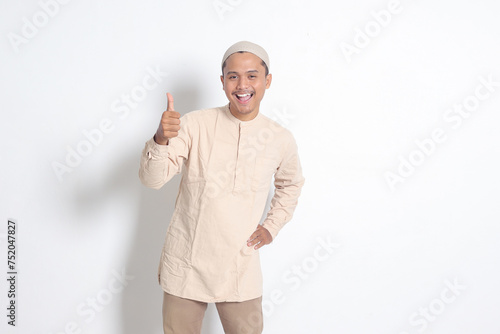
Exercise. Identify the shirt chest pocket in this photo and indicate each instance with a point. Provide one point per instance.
(263, 172)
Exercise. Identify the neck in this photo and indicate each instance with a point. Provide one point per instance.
(241, 116)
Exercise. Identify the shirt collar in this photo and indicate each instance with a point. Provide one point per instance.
(239, 122)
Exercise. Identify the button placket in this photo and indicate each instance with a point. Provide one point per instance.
(237, 165)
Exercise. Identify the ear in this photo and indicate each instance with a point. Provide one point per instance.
(269, 78)
(222, 80)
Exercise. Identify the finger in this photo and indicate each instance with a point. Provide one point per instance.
(171, 117)
(253, 236)
(170, 103)
(253, 240)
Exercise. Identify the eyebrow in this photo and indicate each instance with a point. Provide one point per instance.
(251, 71)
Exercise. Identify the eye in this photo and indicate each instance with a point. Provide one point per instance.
(232, 77)
(252, 76)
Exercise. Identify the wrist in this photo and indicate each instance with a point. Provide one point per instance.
(160, 141)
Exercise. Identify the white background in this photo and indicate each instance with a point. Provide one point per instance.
(355, 118)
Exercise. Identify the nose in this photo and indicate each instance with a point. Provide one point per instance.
(242, 82)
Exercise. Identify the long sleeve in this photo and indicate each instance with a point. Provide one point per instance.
(288, 182)
(159, 163)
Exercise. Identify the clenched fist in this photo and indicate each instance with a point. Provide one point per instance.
(169, 124)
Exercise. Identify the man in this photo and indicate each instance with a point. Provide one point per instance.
(229, 155)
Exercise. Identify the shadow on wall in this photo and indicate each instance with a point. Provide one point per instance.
(140, 300)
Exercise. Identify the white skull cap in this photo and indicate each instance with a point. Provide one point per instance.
(247, 47)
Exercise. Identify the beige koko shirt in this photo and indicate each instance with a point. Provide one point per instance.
(227, 167)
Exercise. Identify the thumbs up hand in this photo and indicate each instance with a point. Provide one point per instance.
(169, 124)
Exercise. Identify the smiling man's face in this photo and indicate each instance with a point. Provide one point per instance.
(245, 82)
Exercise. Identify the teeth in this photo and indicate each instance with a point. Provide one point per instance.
(242, 95)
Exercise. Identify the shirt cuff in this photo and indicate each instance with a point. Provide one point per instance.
(271, 228)
(156, 151)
